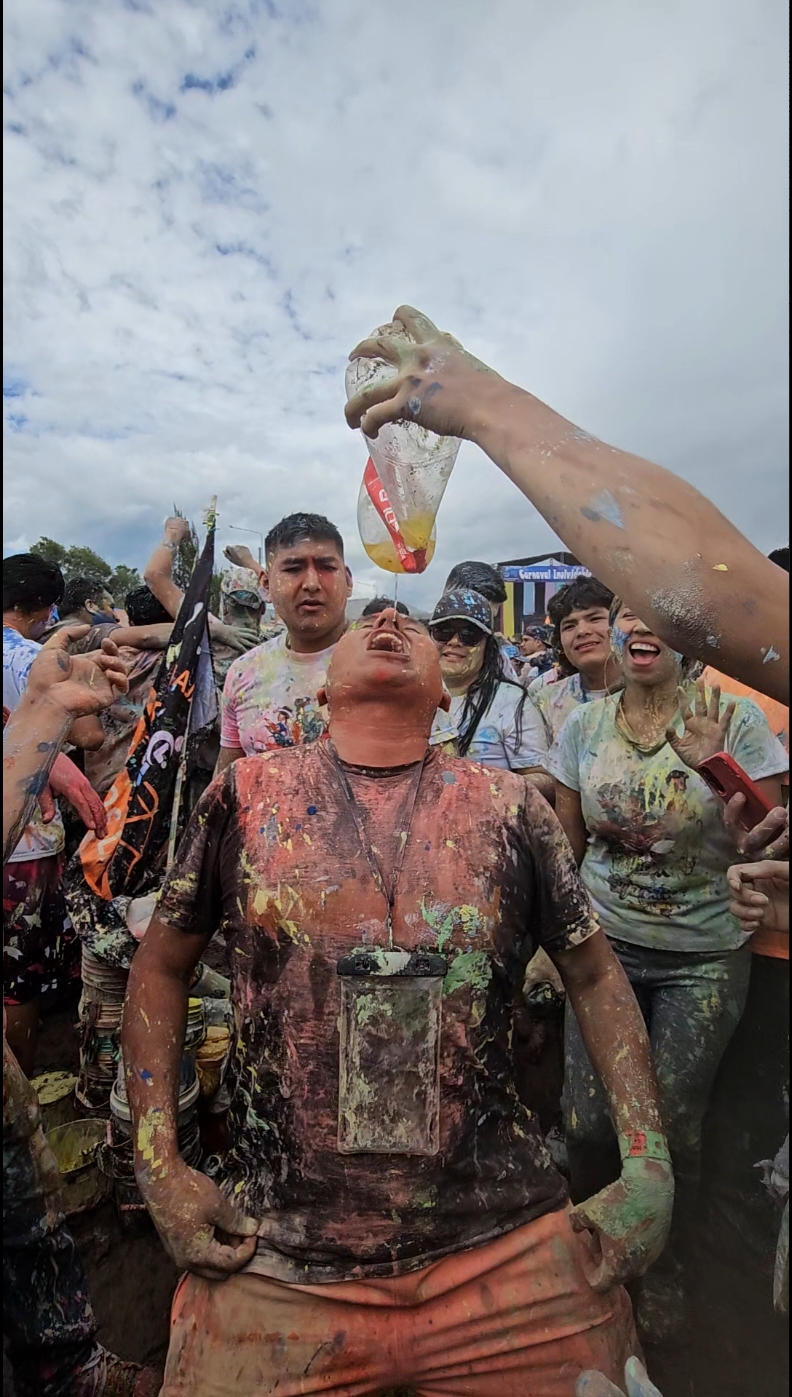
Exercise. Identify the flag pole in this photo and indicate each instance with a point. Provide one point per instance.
(210, 521)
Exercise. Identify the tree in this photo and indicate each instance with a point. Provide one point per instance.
(123, 581)
(83, 562)
(50, 551)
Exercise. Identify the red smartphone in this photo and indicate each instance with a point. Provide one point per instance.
(726, 778)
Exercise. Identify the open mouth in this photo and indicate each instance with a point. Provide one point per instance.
(387, 643)
(643, 652)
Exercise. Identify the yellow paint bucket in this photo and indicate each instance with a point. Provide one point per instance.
(55, 1092)
(75, 1146)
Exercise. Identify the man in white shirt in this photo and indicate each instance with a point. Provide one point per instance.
(270, 694)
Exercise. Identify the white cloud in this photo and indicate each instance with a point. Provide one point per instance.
(208, 204)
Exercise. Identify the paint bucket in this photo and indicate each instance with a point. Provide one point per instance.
(75, 1147)
(196, 1025)
(116, 1158)
(211, 1058)
(188, 1106)
(101, 1011)
(55, 1092)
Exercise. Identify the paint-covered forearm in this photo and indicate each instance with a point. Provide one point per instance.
(684, 568)
(155, 1018)
(630, 1219)
(32, 739)
(187, 1208)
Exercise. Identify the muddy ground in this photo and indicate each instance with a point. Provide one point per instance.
(739, 1346)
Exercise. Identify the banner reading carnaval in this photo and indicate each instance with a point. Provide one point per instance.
(140, 801)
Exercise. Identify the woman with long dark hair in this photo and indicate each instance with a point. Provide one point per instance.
(650, 839)
(489, 718)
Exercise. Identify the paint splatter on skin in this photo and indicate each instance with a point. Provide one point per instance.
(771, 654)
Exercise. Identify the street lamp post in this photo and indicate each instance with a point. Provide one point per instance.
(238, 529)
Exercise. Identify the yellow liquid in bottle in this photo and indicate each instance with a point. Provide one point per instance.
(384, 554)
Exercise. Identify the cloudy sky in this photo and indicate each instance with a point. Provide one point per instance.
(208, 204)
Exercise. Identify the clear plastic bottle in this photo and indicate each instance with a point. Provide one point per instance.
(404, 480)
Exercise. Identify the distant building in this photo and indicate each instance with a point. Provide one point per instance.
(530, 583)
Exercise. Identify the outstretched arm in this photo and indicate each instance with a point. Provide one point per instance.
(650, 536)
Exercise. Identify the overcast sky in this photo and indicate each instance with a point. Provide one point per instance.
(207, 205)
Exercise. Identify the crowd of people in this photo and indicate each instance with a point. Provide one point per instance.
(395, 826)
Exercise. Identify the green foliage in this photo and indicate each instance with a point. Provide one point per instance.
(123, 581)
(50, 551)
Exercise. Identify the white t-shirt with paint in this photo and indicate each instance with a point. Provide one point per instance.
(500, 739)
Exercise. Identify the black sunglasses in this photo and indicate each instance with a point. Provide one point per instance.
(465, 631)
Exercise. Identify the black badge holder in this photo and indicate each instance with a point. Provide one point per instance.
(389, 1064)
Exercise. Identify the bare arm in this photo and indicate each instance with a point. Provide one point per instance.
(60, 688)
(539, 778)
(631, 1217)
(187, 1208)
(87, 734)
(570, 814)
(228, 755)
(687, 571)
(158, 574)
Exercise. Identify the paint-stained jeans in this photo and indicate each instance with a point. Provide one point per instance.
(47, 1315)
(692, 1005)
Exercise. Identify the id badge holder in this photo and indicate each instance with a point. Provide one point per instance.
(389, 1063)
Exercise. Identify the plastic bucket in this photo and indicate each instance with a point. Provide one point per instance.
(211, 1058)
(75, 1148)
(55, 1092)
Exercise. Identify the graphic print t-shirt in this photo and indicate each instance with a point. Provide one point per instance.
(270, 698)
(38, 840)
(272, 858)
(657, 854)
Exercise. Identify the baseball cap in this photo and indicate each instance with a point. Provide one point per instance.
(464, 604)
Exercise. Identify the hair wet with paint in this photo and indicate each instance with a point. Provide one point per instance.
(297, 528)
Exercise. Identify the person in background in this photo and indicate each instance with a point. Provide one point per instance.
(377, 605)
(487, 581)
(86, 602)
(120, 719)
(270, 694)
(489, 716)
(631, 523)
(242, 604)
(580, 619)
(537, 657)
(40, 950)
(654, 853)
(48, 1321)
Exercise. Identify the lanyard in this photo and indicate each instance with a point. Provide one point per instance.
(388, 892)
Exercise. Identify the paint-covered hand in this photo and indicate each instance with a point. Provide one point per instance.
(235, 638)
(437, 383)
(241, 557)
(176, 530)
(201, 1230)
(636, 1383)
(80, 684)
(68, 781)
(705, 728)
(760, 895)
(629, 1221)
(770, 837)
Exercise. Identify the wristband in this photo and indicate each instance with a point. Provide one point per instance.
(644, 1144)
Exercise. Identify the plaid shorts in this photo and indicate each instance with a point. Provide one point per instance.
(40, 947)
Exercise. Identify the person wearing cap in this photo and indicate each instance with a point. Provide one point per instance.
(488, 716)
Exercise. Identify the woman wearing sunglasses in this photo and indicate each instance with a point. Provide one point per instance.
(489, 718)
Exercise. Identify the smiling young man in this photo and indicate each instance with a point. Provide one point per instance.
(387, 1211)
(269, 699)
(579, 614)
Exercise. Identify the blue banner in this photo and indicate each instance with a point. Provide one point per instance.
(544, 572)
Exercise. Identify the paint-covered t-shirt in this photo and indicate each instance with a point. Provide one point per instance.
(509, 736)
(657, 854)
(272, 858)
(555, 700)
(38, 840)
(270, 698)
